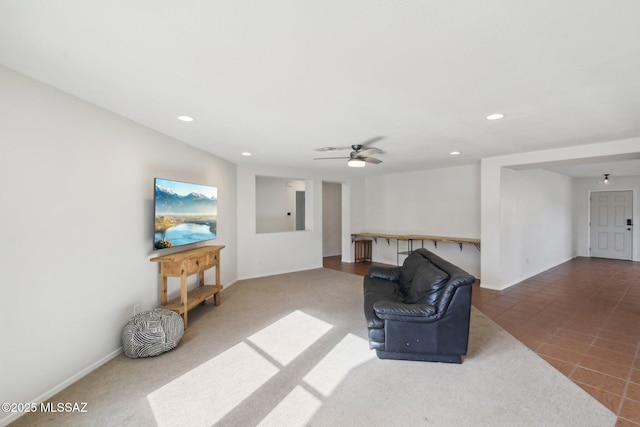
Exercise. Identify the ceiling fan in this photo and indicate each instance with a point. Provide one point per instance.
(359, 157)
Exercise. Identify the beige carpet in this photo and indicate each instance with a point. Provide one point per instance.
(291, 350)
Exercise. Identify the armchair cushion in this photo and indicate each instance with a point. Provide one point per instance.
(389, 310)
(387, 273)
(427, 284)
(408, 272)
(376, 290)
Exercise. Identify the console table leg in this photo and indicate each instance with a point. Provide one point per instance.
(163, 290)
(184, 297)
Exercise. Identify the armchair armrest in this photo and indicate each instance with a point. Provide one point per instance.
(387, 273)
(389, 310)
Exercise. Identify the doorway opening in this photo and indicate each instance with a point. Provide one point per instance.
(331, 219)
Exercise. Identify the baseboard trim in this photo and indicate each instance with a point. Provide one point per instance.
(64, 384)
(531, 274)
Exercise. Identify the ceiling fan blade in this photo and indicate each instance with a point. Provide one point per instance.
(330, 158)
(368, 151)
(372, 140)
(353, 146)
(371, 160)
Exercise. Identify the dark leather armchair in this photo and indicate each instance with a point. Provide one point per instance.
(419, 311)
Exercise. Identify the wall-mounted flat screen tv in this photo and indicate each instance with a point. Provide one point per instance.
(184, 213)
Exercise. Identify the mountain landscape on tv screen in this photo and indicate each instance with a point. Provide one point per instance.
(168, 203)
(181, 219)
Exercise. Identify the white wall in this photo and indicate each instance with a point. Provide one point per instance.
(276, 203)
(441, 202)
(77, 216)
(500, 268)
(354, 215)
(274, 253)
(582, 189)
(536, 217)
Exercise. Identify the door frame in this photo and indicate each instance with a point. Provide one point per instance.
(635, 214)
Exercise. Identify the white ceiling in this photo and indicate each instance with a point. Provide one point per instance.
(280, 78)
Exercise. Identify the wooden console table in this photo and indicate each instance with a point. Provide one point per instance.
(186, 263)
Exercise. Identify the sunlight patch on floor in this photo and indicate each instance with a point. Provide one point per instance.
(207, 393)
(294, 410)
(287, 338)
(347, 355)
(299, 406)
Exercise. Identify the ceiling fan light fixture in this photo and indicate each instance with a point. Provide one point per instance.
(360, 155)
(356, 163)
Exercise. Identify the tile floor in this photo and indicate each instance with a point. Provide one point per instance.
(583, 317)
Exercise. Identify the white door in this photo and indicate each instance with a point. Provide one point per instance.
(611, 229)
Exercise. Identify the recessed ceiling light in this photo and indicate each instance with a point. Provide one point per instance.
(495, 116)
(455, 153)
(246, 153)
(185, 118)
